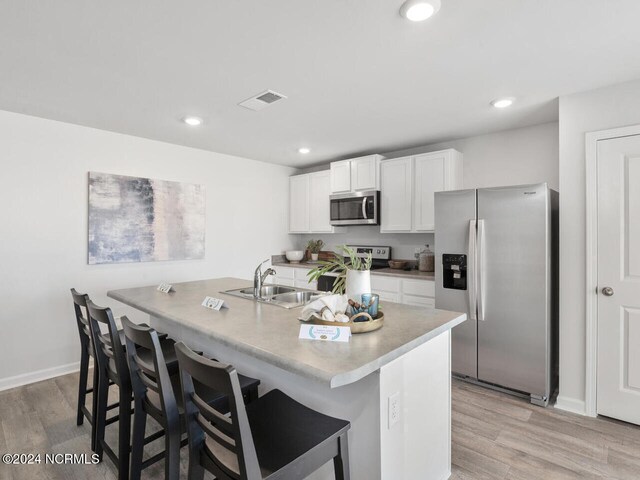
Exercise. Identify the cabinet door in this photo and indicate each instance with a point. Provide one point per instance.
(299, 204)
(429, 172)
(395, 194)
(388, 297)
(319, 191)
(364, 173)
(341, 177)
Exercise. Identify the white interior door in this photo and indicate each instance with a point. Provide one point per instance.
(618, 384)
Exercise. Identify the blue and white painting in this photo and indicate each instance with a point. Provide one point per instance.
(134, 219)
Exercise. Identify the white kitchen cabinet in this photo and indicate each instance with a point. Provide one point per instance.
(356, 174)
(409, 185)
(299, 204)
(340, 176)
(396, 195)
(319, 191)
(404, 290)
(365, 173)
(293, 277)
(309, 203)
(388, 297)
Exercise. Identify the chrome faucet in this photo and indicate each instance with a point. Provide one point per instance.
(259, 278)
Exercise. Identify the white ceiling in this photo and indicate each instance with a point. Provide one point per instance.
(358, 77)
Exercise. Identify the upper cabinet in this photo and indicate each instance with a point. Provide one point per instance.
(408, 185)
(395, 195)
(299, 204)
(341, 176)
(362, 173)
(309, 203)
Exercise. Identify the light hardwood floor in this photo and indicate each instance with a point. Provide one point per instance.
(495, 436)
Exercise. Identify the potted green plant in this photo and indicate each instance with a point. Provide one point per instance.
(354, 273)
(314, 247)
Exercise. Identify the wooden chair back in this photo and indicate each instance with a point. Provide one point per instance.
(222, 442)
(108, 349)
(82, 319)
(149, 376)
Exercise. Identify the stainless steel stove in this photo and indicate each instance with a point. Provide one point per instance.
(380, 255)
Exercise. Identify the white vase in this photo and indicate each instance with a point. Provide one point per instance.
(314, 257)
(358, 282)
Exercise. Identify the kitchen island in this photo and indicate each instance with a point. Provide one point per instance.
(406, 364)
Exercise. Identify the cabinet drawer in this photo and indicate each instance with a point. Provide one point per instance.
(300, 273)
(388, 297)
(287, 282)
(418, 301)
(422, 288)
(387, 284)
(305, 284)
(284, 272)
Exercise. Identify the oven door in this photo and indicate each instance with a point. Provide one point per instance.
(358, 208)
(326, 281)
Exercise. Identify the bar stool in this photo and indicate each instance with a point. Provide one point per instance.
(273, 437)
(86, 351)
(157, 393)
(112, 367)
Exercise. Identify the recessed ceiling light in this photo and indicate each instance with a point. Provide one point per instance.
(192, 121)
(304, 150)
(419, 10)
(503, 102)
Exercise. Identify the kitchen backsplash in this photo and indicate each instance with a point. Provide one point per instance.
(402, 245)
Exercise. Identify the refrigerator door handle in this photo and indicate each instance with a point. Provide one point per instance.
(480, 266)
(471, 270)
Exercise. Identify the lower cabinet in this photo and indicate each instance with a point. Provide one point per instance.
(293, 277)
(420, 293)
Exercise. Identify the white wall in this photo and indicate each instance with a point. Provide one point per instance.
(43, 249)
(512, 157)
(601, 109)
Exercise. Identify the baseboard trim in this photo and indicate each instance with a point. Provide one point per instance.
(571, 405)
(37, 376)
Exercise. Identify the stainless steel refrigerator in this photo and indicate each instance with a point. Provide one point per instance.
(496, 260)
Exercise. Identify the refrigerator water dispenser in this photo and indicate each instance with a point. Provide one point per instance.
(454, 271)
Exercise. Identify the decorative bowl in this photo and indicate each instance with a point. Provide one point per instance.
(360, 323)
(397, 264)
(294, 256)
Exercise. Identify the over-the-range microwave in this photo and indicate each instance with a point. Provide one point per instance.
(355, 208)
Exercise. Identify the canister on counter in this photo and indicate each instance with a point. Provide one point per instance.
(426, 261)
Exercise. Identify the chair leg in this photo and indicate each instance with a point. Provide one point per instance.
(196, 471)
(82, 384)
(341, 461)
(100, 416)
(94, 406)
(124, 433)
(137, 443)
(172, 452)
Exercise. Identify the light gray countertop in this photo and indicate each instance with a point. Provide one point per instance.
(270, 333)
(387, 272)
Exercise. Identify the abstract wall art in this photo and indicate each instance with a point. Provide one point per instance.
(133, 219)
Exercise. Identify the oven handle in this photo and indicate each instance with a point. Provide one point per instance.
(364, 208)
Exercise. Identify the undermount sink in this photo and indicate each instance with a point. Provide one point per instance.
(294, 297)
(286, 297)
(268, 290)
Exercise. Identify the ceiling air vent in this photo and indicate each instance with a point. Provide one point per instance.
(262, 100)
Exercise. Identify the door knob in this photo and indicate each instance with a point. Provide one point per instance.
(607, 291)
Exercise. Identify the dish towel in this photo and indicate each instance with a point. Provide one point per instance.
(330, 308)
